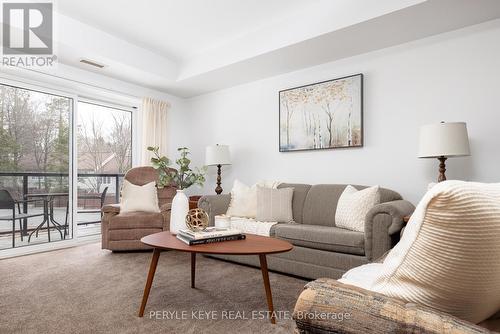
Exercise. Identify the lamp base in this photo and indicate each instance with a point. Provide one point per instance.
(218, 189)
(442, 169)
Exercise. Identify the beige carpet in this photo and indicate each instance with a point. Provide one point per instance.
(89, 290)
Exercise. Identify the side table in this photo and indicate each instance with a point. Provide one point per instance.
(193, 201)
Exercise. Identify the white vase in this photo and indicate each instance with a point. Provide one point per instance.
(180, 208)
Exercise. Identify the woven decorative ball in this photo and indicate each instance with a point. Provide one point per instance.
(197, 220)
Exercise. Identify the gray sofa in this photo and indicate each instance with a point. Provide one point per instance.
(320, 248)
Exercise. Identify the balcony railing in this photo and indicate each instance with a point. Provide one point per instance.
(23, 184)
(26, 175)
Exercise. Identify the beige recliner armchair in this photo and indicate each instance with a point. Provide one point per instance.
(123, 231)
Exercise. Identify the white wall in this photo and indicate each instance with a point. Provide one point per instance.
(451, 77)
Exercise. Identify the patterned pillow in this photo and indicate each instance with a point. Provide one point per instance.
(274, 205)
(353, 206)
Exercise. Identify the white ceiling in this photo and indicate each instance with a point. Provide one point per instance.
(190, 47)
(180, 29)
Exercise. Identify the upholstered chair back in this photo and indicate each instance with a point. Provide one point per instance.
(146, 174)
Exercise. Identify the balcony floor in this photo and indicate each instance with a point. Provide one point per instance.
(59, 215)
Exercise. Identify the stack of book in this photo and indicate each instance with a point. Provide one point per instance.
(209, 235)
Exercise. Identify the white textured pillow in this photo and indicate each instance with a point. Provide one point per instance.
(353, 206)
(274, 205)
(139, 198)
(243, 201)
(447, 259)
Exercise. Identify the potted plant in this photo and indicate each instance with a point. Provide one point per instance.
(183, 177)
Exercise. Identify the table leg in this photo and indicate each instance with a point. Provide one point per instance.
(267, 286)
(193, 268)
(35, 231)
(51, 218)
(149, 282)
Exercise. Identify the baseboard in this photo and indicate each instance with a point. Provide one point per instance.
(48, 247)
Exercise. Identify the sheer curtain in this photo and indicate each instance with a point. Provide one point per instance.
(154, 127)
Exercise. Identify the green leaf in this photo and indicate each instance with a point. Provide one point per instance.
(184, 177)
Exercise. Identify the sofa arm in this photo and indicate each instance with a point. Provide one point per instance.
(111, 208)
(383, 221)
(108, 211)
(214, 205)
(328, 306)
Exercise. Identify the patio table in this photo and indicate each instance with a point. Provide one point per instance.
(48, 218)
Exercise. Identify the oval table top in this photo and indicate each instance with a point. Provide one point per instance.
(252, 245)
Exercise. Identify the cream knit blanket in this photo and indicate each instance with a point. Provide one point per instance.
(449, 255)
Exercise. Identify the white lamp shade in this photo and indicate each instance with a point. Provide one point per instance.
(444, 140)
(217, 155)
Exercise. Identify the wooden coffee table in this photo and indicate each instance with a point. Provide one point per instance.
(252, 245)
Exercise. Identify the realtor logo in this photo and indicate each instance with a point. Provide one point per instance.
(28, 28)
(28, 34)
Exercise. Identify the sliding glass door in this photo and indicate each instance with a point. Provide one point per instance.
(104, 144)
(35, 167)
(45, 139)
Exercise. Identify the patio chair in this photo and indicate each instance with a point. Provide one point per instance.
(101, 197)
(7, 202)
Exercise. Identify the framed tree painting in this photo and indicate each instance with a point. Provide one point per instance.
(322, 115)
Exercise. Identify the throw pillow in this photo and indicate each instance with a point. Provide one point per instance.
(447, 259)
(243, 201)
(274, 205)
(268, 184)
(139, 198)
(353, 205)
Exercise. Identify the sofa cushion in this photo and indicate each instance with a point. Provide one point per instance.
(299, 196)
(328, 238)
(136, 220)
(321, 204)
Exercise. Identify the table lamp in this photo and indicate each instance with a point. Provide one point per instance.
(443, 140)
(217, 155)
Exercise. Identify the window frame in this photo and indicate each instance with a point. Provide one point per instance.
(134, 152)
